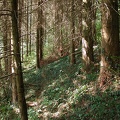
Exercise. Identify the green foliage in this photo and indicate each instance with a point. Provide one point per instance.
(29, 61)
(7, 112)
(98, 26)
(100, 107)
(32, 114)
(61, 90)
(64, 91)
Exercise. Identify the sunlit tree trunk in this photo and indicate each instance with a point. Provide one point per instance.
(110, 52)
(87, 40)
(16, 47)
(40, 34)
(13, 70)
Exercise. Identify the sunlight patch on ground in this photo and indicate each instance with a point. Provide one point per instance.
(62, 109)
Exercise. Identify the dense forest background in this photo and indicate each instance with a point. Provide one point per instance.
(59, 60)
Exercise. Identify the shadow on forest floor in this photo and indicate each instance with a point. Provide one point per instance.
(58, 91)
(61, 93)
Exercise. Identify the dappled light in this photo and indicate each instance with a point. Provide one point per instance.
(69, 96)
(59, 60)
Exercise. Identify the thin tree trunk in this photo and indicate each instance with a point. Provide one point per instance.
(21, 4)
(57, 31)
(72, 53)
(27, 32)
(80, 21)
(40, 34)
(1, 71)
(93, 20)
(5, 45)
(30, 27)
(60, 29)
(5, 37)
(13, 77)
(16, 46)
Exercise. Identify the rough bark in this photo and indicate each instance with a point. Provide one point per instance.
(110, 52)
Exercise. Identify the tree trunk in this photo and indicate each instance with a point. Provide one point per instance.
(87, 41)
(110, 52)
(27, 31)
(30, 27)
(80, 21)
(5, 37)
(13, 70)
(93, 20)
(1, 71)
(57, 29)
(16, 47)
(72, 53)
(40, 37)
(21, 5)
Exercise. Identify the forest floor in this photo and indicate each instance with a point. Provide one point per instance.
(60, 91)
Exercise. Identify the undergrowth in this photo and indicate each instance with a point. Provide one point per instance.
(61, 92)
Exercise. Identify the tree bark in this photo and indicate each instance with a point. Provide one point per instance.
(110, 52)
(40, 34)
(87, 41)
(16, 47)
(27, 31)
(5, 37)
(72, 53)
(21, 5)
(30, 44)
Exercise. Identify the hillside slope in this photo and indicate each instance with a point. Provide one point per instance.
(59, 91)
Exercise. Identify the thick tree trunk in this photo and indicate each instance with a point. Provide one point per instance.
(16, 47)
(110, 52)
